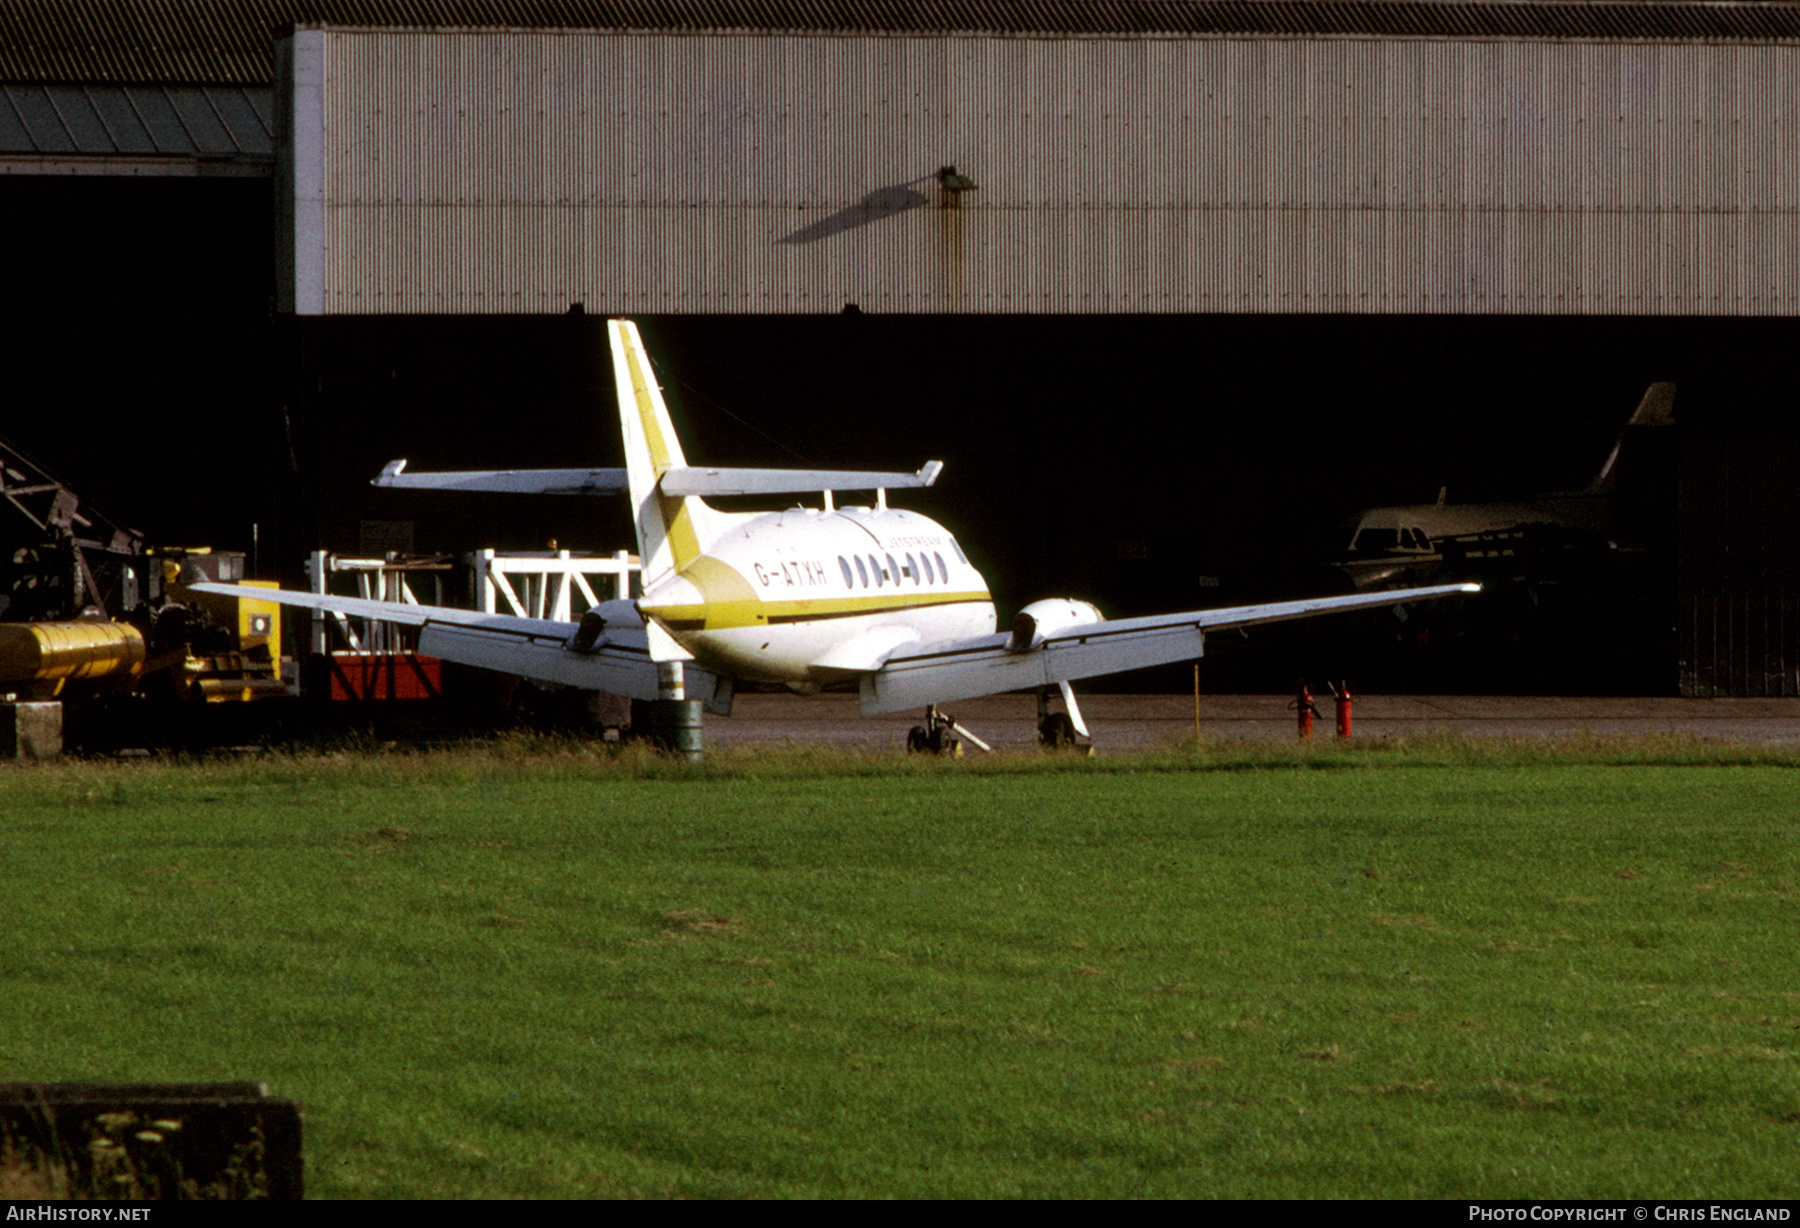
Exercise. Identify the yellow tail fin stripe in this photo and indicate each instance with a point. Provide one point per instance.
(678, 527)
(654, 441)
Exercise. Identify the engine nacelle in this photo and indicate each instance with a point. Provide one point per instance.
(1045, 618)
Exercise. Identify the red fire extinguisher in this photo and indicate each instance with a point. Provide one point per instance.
(1341, 693)
(1304, 711)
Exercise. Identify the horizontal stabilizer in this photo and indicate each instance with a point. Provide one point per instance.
(699, 481)
(507, 481)
(677, 482)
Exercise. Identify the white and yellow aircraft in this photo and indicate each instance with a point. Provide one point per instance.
(809, 597)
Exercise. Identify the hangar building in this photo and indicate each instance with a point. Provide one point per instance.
(1222, 271)
(1395, 163)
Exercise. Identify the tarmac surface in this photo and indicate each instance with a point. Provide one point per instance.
(1138, 722)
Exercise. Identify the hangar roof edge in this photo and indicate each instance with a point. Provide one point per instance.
(205, 42)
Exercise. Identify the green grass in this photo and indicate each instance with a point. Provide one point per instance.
(1449, 969)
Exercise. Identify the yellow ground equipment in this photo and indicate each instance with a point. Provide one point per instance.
(244, 664)
(41, 658)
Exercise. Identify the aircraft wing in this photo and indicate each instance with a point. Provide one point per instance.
(914, 677)
(616, 659)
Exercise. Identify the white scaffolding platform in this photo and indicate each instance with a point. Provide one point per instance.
(547, 584)
(560, 585)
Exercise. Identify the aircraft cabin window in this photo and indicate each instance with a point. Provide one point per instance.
(849, 580)
(893, 569)
(911, 571)
(862, 573)
(943, 572)
(875, 566)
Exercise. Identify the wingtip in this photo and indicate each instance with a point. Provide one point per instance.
(929, 473)
(389, 472)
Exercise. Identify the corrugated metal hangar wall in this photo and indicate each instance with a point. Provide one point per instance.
(764, 172)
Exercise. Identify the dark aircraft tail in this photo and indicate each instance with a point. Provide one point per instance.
(1656, 409)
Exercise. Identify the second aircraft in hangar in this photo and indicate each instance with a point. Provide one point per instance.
(1495, 540)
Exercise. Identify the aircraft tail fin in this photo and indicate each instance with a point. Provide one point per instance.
(672, 530)
(1656, 409)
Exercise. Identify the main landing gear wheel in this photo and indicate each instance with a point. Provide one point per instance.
(1061, 730)
(936, 741)
(1056, 731)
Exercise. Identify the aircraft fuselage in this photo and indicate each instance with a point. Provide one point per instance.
(809, 596)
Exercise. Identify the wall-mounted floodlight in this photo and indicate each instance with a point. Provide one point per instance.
(952, 185)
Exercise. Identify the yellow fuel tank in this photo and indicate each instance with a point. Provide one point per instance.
(60, 652)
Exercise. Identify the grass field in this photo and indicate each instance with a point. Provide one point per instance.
(531, 969)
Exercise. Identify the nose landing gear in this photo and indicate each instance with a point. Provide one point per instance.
(940, 735)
